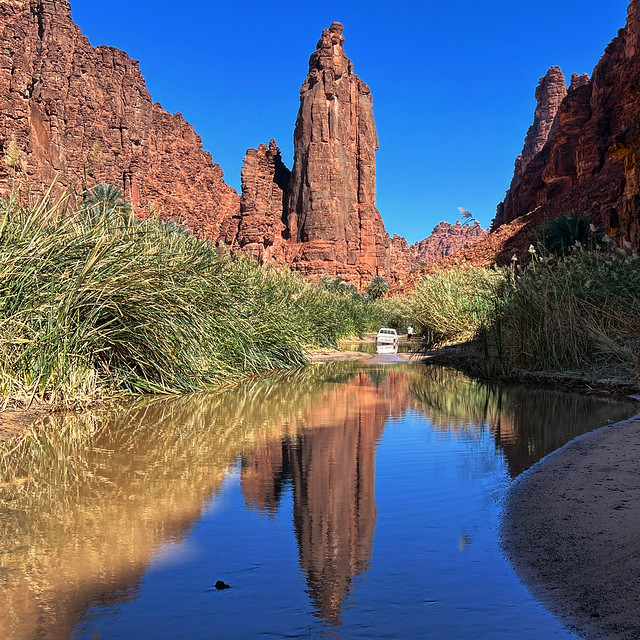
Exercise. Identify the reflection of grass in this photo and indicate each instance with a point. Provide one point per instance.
(532, 422)
(85, 498)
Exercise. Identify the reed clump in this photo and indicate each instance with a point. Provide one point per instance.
(94, 302)
(453, 305)
(580, 311)
(576, 312)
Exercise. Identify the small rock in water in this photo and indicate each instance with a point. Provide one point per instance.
(222, 585)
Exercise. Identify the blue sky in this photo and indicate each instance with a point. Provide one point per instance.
(452, 82)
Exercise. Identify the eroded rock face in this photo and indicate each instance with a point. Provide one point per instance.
(261, 228)
(550, 93)
(592, 162)
(331, 210)
(79, 112)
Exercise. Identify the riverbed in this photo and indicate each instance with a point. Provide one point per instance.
(344, 500)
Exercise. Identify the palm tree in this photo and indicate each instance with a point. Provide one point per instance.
(378, 287)
(562, 233)
(466, 216)
(105, 200)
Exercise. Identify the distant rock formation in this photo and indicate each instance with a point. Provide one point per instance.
(446, 239)
(591, 162)
(79, 112)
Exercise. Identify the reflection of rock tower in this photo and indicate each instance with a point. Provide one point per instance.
(332, 469)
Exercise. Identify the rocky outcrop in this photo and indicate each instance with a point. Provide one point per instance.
(261, 228)
(550, 93)
(79, 113)
(592, 162)
(331, 211)
(446, 239)
(403, 258)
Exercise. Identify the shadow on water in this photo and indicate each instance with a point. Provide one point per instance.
(87, 500)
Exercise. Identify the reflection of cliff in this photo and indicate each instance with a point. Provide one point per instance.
(85, 502)
(526, 423)
(332, 470)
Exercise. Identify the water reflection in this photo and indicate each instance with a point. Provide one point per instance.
(87, 501)
(331, 468)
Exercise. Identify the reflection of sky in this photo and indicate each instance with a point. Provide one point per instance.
(436, 569)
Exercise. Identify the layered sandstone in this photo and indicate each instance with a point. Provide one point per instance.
(83, 114)
(331, 211)
(592, 161)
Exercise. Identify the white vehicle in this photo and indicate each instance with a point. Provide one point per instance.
(387, 336)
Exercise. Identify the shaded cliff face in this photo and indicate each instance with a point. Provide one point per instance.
(331, 196)
(591, 162)
(75, 110)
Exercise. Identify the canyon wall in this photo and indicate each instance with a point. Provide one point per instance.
(82, 113)
(590, 159)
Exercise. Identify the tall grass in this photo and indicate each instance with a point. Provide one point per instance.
(576, 312)
(453, 305)
(582, 311)
(94, 301)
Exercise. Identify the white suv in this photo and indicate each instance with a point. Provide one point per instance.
(387, 336)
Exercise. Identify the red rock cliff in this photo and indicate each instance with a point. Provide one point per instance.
(331, 210)
(592, 161)
(73, 109)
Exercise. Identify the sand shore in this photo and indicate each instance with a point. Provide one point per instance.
(571, 529)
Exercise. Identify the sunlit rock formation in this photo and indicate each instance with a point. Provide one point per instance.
(590, 161)
(83, 114)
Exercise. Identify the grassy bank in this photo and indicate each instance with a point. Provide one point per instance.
(575, 312)
(95, 302)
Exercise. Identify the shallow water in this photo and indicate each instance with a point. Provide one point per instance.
(338, 501)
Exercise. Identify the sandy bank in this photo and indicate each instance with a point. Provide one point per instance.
(571, 529)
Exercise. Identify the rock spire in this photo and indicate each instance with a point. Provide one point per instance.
(331, 207)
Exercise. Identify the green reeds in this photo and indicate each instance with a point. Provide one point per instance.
(582, 311)
(94, 301)
(453, 305)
